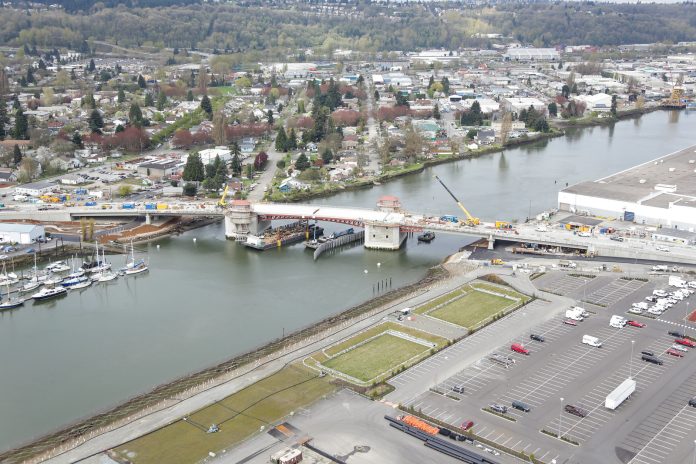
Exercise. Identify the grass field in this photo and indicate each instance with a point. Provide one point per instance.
(474, 307)
(238, 416)
(375, 357)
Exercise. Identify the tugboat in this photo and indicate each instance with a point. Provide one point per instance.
(426, 237)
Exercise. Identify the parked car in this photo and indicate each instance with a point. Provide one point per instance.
(616, 238)
(675, 353)
(685, 342)
(458, 388)
(636, 311)
(575, 410)
(537, 338)
(647, 353)
(570, 322)
(635, 324)
(584, 234)
(3, 256)
(501, 408)
(30, 250)
(676, 333)
(692, 402)
(466, 425)
(662, 248)
(680, 348)
(652, 359)
(518, 348)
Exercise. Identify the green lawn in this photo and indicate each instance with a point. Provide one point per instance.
(424, 308)
(264, 402)
(378, 329)
(375, 357)
(472, 309)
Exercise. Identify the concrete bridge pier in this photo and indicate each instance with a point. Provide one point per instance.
(240, 221)
(491, 242)
(383, 236)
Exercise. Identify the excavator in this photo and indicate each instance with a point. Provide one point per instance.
(222, 201)
(470, 220)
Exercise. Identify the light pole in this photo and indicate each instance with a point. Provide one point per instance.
(693, 461)
(630, 361)
(560, 418)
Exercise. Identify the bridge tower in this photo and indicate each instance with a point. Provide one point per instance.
(386, 234)
(241, 221)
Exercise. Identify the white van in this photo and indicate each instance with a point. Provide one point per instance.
(617, 322)
(592, 341)
(574, 314)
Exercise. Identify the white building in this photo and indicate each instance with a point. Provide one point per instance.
(600, 102)
(20, 233)
(516, 105)
(208, 155)
(35, 189)
(532, 54)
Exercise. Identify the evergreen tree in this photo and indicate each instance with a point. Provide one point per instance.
(445, 85)
(376, 95)
(327, 156)
(292, 139)
(119, 128)
(161, 101)
(17, 155)
(135, 116)
(553, 109)
(77, 140)
(4, 119)
(141, 81)
(121, 96)
(302, 162)
(15, 103)
(95, 121)
(207, 106)
(30, 75)
(194, 170)
(436, 111)
(148, 100)
(2, 132)
(236, 166)
(574, 89)
(21, 130)
(189, 95)
(281, 140)
(92, 67)
(269, 116)
(613, 105)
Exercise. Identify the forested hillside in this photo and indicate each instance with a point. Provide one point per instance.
(280, 30)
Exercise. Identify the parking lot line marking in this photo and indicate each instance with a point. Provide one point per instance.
(515, 445)
(525, 448)
(657, 434)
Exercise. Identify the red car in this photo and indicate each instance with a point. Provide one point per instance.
(676, 353)
(570, 322)
(635, 324)
(685, 342)
(517, 347)
(466, 425)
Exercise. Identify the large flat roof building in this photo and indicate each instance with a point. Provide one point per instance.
(660, 192)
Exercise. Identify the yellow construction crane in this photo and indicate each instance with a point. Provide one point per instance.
(222, 202)
(470, 220)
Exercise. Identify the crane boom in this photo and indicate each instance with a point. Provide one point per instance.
(469, 218)
(224, 195)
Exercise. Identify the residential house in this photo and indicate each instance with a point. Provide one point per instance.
(485, 136)
(7, 175)
(290, 184)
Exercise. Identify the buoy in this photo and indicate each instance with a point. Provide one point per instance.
(158, 246)
(365, 271)
(194, 239)
(379, 264)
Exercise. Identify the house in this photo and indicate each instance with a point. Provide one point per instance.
(290, 184)
(7, 175)
(599, 102)
(159, 169)
(208, 155)
(71, 179)
(485, 136)
(235, 184)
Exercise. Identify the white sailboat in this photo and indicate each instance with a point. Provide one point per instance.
(132, 266)
(57, 267)
(104, 275)
(7, 278)
(84, 284)
(11, 301)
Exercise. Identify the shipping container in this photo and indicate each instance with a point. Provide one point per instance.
(162, 206)
(150, 205)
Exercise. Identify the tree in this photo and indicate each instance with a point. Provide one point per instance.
(236, 165)
(189, 95)
(613, 105)
(565, 91)
(207, 106)
(135, 116)
(413, 144)
(327, 155)
(124, 190)
(77, 140)
(30, 75)
(574, 89)
(194, 170)
(300, 107)
(249, 171)
(148, 100)
(376, 95)
(161, 101)
(219, 128)
(302, 162)
(21, 129)
(505, 127)
(121, 96)
(260, 160)
(4, 119)
(91, 67)
(436, 111)
(281, 140)
(141, 81)
(553, 109)
(292, 139)
(203, 80)
(190, 189)
(95, 121)
(16, 155)
(269, 117)
(48, 96)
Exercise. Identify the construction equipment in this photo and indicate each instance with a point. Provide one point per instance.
(470, 220)
(676, 99)
(224, 195)
(497, 262)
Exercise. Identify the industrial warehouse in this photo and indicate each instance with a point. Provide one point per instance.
(661, 192)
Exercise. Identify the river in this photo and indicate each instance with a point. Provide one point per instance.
(206, 300)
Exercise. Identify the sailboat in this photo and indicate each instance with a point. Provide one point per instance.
(58, 266)
(106, 274)
(11, 301)
(97, 265)
(7, 279)
(132, 266)
(35, 281)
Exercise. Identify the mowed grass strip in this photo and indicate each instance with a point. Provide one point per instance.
(424, 308)
(378, 329)
(375, 357)
(238, 416)
(502, 290)
(472, 309)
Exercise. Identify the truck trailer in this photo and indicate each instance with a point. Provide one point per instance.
(620, 393)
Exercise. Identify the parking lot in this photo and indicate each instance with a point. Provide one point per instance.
(655, 425)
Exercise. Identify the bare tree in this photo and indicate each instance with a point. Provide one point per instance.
(203, 80)
(219, 132)
(505, 127)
